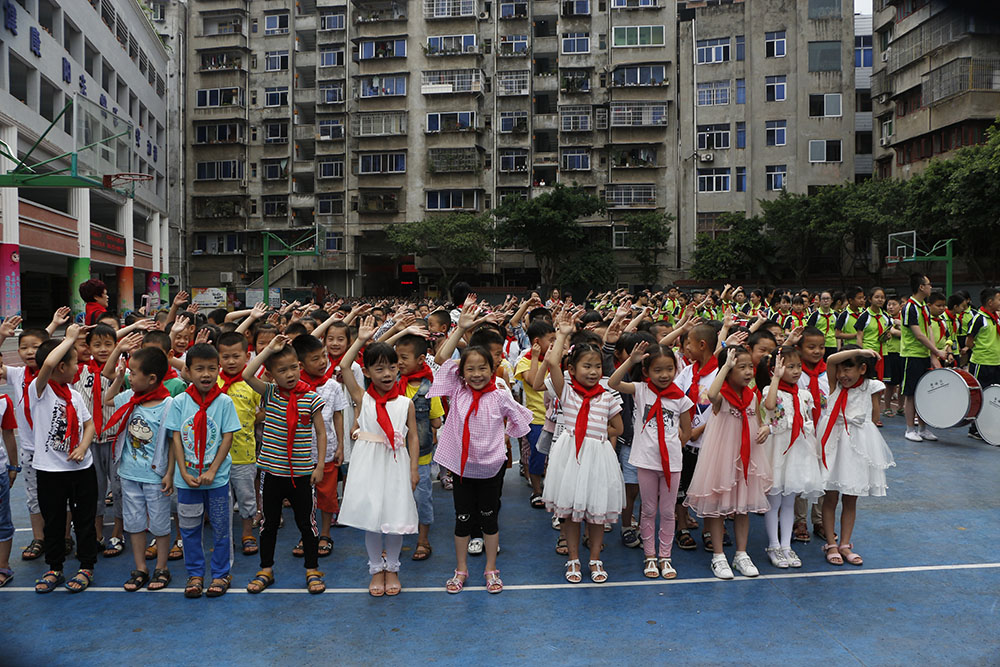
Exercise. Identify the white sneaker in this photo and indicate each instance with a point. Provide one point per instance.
(476, 546)
(913, 436)
(743, 563)
(777, 556)
(720, 568)
(792, 558)
(926, 434)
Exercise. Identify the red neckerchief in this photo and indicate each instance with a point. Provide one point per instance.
(697, 373)
(229, 380)
(97, 395)
(953, 318)
(583, 416)
(797, 420)
(317, 381)
(880, 364)
(62, 390)
(527, 355)
(851, 313)
(124, 412)
(200, 422)
(382, 414)
(656, 412)
(79, 369)
(814, 374)
(925, 314)
(477, 394)
(800, 319)
(838, 409)
(506, 345)
(29, 375)
(292, 417)
(993, 318)
(423, 372)
(827, 317)
(941, 328)
(741, 402)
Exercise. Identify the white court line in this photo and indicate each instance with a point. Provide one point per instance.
(544, 587)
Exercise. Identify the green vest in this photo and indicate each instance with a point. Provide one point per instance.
(827, 323)
(870, 336)
(914, 314)
(986, 349)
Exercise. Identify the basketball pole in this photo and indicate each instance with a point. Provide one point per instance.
(948, 258)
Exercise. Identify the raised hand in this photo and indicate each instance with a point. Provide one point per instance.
(181, 298)
(779, 365)
(470, 310)
(639, 352)
(737, 339)
(202, 336)
(259, 310)
(10, 325)
(278, 342)
(130, 343)
(366, 329)
(61, 316)
(730, 357)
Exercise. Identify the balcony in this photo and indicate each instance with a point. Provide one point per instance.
(449, 9)
(380, 11)
(448, 82)
(235, 38)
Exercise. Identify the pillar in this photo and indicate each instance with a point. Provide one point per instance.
(79, 266)
(126, 282)
(165, 261)
(153, 289)
(10, 236)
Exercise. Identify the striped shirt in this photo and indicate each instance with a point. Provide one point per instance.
(85, 385)
(273, 456)
(602, 409)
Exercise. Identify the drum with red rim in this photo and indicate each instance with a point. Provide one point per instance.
(988, 420)
(947, 397)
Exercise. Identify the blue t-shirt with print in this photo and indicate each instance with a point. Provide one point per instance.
(142, 433)
(222, 419)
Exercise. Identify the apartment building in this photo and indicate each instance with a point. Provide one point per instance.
(105, 52)
(936, 80)
(864, 57)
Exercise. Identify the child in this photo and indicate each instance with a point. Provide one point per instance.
(173, 382)
(472, 445)
(846, 326)
(874, 329)
(542, 333)
(233, 358)
(202, 421)
(824, 318)
(893, 363)
(656, 452)
(318, 372)
(377, 497)
(941, 332)
(338, 341)
(63, 462)
(984, 341)
(798, 315)
(733, 475)
(292, 414)
(8, 459)
(142, 460)
(812, 348)
(584, 479)
(919, 354)
(855, 456)
(793, 450)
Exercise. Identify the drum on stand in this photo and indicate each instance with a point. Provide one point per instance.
(988, 421)
(947, 397)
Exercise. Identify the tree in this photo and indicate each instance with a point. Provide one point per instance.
(787, 220)
(548, 225)
(648, 236)
(742, 252)
(591, 267)
(454, 242)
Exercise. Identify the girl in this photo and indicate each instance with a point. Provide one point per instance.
(792, 448)
(854, 454)
(732, 475)
(584, 481)
(893, 362)
(377, 497)
(477, 463)
(874, 329)
(656, 448)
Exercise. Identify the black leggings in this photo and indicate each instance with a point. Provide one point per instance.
(273, 491)
(79, 489)
(477, 504)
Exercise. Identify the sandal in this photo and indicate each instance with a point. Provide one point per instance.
(706, 538)
(455, 585)
(374, 589)
(250, 545)
(260, 582)
(446, 482)
(667, 569)
(8, 574)
(562, 546)
(116, 547)
(151, 550)
(314, 582)
(652, 570)
(325, 547)
(819, 531)
(685, 541)
(692, 523)
(536, 501)
(422, 552)
(219, 586)
(298, 550)
(800, 532)
(160, 580)
(833, 556)
(32, 551)
(176, 551)
(597, 572)
(879, 423)
(850, 557)
(48, 581)
(395, 588)
(573, 575)
(136, 580)
(80, 581)
(192, 589)
(493, 582)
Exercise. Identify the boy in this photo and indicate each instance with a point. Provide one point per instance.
(8, 473)
(784, 307)
(812, 350)
(542, 333)
(202, 421)
(846, 327)
(984, 341)
(318, 371)
(798, 316)
(233, 358)
(893, 363)
(63, 463)
(942, 334)
(824, 318)
(918, 352)
(292, 414)
(143, 461)
(414, 383)
(172, 381)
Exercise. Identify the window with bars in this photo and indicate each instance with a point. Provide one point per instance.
(451, 81)
(713, 180)
(713, 93)
(513, 83)
(620, 237)
(635, 4)
(774, 177)
(378, 124)
(443, 9)
(713, 137)
(451, 200)
(709, 51)
(275, 206)
(330, 167)
(224, 133)
(774, 132)
(392, 85)
(639, 75)
(451, 121)
(513, 45)
(638, 36)
(275, 61)
(513, 122)
(575, 42)
(707, 222)
(444, 45)
(382, 163)
(628, 195)
(575, 81)
(575, 118)
(774, 88)
(636, 157)
(453, 160)
(575, 159)
(378, 49)
(825, 150)
(331, 56)
(513, 160)
(635, 114)
(219, 97)
(516, 193)
(774, 44)
(225, 60)
(330, 203)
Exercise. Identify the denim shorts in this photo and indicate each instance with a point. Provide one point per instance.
(6, 524)
(423, 495)
(629, 472)
(143, 503)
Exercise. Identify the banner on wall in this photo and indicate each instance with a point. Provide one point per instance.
(255, 295)
(209, 297)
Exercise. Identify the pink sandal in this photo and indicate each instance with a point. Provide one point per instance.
(455, 585)
(493, 582)
(833, 556)
(852, 557)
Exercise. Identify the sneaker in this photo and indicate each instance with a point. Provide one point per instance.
(778, 558)
(927, 434)
(792, 558)
(556, 524)
(743, 563)
(630, 538)
(913, 436)
(720, 567)
(975, 435)
(476, 546)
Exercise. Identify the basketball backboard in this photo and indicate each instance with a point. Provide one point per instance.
(902, 245)
(102, 142)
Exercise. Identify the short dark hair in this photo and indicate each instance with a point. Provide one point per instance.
(539, 329)
(759, 335)
(798, 300)
(936, 297)
(809, 332)
(91, 289)
(160, 339)
(460, 292)
(296, 329)
(152, 361)
(218, 315)
(474, 349)
(955, 300)
(201, 351)
(45, 349)
(286, 351)
(856, 360)
(440, 317)
(854, 291)
(417, 343)
(101, 331)
(213, 332)
(984, 296)
(380, 353)
(340, 324)
(304, 345)
(916, 282)
(707, 333)
(233, 338)
(540, 313)
(262, 328)
(485, 336)
(40, 334)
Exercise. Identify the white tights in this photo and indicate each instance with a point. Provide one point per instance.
(393, 544)
(786, 506)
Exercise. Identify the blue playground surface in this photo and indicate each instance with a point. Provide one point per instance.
(927, 593)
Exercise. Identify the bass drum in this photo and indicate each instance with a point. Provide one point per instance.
(988, 421)
(947, 397)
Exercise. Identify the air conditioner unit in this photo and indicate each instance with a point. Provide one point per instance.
(884, 141)
(706, 157)
(422, 280)
(883, 98)
(483, 16)
(225, 277)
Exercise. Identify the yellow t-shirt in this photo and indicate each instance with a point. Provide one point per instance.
(533, 400)
(247, 401)
(436, 412)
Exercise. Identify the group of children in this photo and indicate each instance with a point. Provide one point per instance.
(719, 405)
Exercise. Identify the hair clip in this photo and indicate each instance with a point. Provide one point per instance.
(570, 350)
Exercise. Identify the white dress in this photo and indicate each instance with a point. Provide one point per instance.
(856, 454)
(798, 470)
(378, 496)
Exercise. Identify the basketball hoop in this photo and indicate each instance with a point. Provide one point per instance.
(120, 180)
(891, 262)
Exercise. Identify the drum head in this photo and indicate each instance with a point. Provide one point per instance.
(988, 421)
(942, 398)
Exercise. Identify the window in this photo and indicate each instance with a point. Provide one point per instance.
(330, 204)
(886, 128)
(382, 48)
(639, 157)
(741, 135)
(825, 104)
(331, 167)
(378, 124)
(576, 8)
(450, 200)
(741, 47)
(276, 24)
(638, 114)
(774, 177)
(774, 88)
(619, 237)
(824, 9)
(514, 10)
(441, 9)
(827, 150)
(638, 35)
(712, 51)
(774, 44)
(824, 56)
(575, 159)
(713, 93)
(220, 170)
(451, 81)
(276, 133)
(273, 170)
(454, 160)
(226, 133)
(862, 50)
(513, 45)
(378, 201)
(276, 97)
(454, 121)
(634, 4)
(331, 21)
(741, 91)
(334, 242)
(275, 206)
(639, 75)
(382, 86)
(158, 11)
(711, 137)
(513, 83)
(331, 128)
(219, 97)
(443, 45)
(713, 180)
(513, 122)
(741, 179)
(331, 56)
(513, 159)
(575, 118)
(575, 81)
(630, 195)
(382, 163)
(275, 61)
(576, 42)
(775, 132)
(330, 92)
